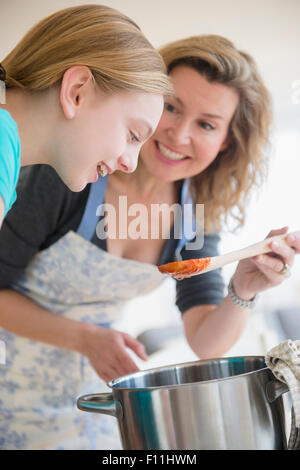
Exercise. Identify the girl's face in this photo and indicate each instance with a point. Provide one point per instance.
(193, 128)
(105, 132)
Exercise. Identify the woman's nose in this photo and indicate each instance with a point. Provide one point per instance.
(128, 162)
(180, 132)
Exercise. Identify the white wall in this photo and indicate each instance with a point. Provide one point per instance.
(270, 31)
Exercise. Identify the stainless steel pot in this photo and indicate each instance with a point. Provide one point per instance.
(225, 403)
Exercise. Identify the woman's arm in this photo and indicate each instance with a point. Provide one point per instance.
(212, 330)
(104, 347)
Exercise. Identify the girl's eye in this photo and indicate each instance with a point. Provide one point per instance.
(133, 137)
(206, 126)
(169, 107)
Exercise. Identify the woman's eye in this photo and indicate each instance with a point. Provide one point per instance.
(206, 126)
(169, 107)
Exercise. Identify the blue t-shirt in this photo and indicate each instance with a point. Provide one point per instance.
(10, 149)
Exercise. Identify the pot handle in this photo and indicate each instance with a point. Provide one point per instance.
(274, 389)
(100, 403)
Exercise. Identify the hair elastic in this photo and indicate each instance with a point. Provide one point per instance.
(2, 73)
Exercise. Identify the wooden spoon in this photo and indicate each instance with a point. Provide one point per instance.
(191, 267)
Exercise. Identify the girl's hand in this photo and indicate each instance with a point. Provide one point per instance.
(254, 275)
(106, 350)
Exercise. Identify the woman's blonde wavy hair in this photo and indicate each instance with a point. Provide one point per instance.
(97, 36)
(224, 186)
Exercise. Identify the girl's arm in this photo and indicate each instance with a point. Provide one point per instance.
(104, 347)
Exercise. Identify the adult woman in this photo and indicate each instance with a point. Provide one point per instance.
(78, 98)
(59, 290)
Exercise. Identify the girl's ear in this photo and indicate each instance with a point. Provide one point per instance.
(73, 90)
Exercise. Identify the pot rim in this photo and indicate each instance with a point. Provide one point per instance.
(113, 383)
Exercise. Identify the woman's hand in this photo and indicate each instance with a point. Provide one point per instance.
(106, 350)
(254, 275)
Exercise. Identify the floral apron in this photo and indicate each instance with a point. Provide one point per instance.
(39, 383)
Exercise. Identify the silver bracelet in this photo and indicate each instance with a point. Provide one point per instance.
(237, 300)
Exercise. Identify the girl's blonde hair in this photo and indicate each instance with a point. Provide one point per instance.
(97, 36)
(224, 186)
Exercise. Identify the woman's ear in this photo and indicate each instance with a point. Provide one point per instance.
(229, 139)
(74, 87)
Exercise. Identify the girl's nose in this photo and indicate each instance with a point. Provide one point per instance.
(128, 162)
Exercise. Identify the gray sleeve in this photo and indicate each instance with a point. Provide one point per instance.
(205, 289)
(40, 208)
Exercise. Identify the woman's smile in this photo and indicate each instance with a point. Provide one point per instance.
(168, 155)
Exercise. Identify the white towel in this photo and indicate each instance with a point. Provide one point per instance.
(284, 362)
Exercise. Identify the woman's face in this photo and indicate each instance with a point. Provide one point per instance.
(105, 131)
(193, 128)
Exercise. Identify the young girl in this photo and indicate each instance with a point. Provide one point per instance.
(83, 92)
